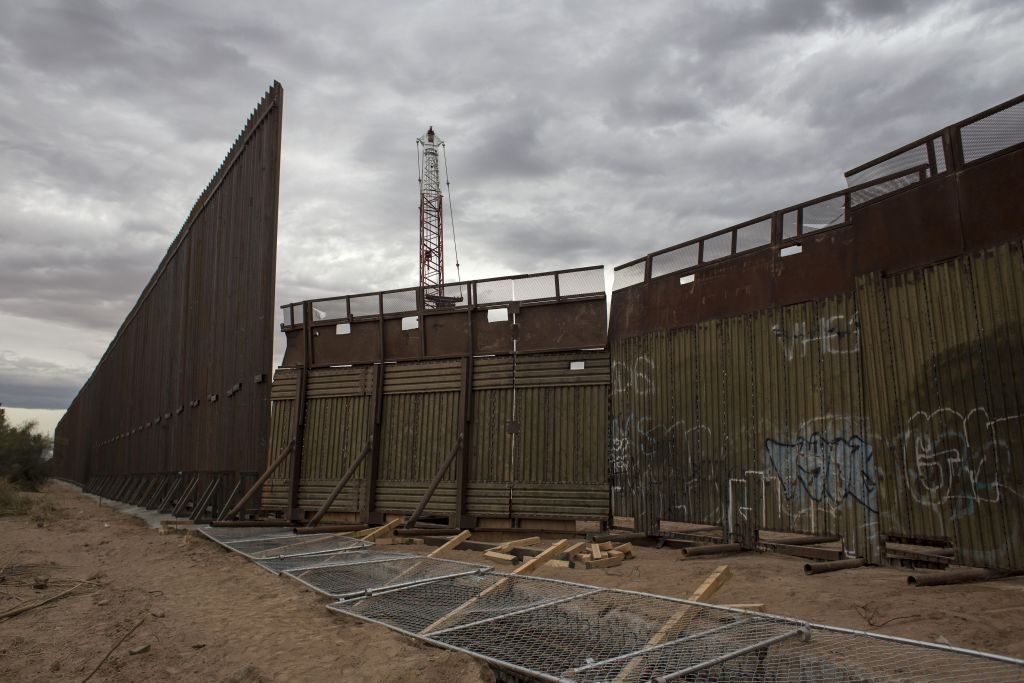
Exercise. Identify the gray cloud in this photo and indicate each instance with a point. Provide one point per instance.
(577, 133)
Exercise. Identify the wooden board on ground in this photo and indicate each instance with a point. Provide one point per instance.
(518, 543)
(452, 544)
(370, 534)
(503, 558)
(678, 622)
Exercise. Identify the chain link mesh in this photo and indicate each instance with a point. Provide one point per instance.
(399, 302)
(915, 156)
(993, 133)
(824, 214)
(358, 578)
(672, 261)
(580, 282)
(364, 305)
(284, 564)
(296, 546)
(877, 190)
(628, 276)
(754, 235)
(563, 631)
(717, 247)
(330, 309)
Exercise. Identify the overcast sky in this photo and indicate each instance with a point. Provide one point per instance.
(577, 133)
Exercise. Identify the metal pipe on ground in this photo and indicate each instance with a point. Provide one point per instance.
(825, 567)
(330, 528)
(803, 540)
(712, 549)
(961, 576)
(250, 522)
(341, 484)
(434, 531)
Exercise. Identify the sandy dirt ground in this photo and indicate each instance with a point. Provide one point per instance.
(207, 614)
(981, 616)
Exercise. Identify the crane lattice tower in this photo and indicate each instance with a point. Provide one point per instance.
(431, 219)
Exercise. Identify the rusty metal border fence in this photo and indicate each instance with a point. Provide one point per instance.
(488, 403)
(177, 409)
(813, 369)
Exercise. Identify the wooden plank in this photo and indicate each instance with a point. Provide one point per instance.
(604, 562)
(626, 549)
(504, 558)
(451, 544)
(370, 534)
(537, 562)
(595, 551)
(573, 549)
(526, 568)
(678, 621)
(519, 543)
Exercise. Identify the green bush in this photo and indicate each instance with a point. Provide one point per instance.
(23, 454)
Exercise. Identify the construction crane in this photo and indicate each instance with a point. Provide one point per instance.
(432, 222)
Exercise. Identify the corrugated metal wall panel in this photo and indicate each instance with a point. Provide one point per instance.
(557, 467)
(180, 388)
(752, 422)
(947, 345)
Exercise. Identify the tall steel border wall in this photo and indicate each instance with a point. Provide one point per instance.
(184, 385)
(517, 366)
(869, 385)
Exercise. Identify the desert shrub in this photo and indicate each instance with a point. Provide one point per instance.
(12, 501)
(23, 454)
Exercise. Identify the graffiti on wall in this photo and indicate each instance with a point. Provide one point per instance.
(830, 335)
(958, 460)
(826, 470)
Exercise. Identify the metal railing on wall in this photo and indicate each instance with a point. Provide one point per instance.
(553, 286)
(993, 132)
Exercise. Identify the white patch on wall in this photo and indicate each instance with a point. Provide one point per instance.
(342, 328)
(410, 322)
(577, 364)
(790, 251)
(497, 315)
(686, 279)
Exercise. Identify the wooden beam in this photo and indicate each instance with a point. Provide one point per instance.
(503, 558)
(452, 544)
(595, 551)
(526, 568)
(573, 549)
(679, 621)
(536, 563)
(370, 534)
(518, 543)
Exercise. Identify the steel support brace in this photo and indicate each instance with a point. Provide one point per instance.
(370, 513)
(460, 519)
(204, 499)
(175, 485)
(185, 497)
(349, 473)
(231, 497)
(295, 475)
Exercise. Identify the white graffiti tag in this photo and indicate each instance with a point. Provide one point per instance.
(955, 459)
(828, 335)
